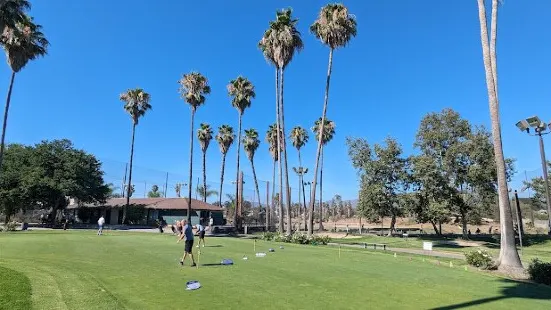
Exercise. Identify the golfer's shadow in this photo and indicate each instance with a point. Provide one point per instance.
(214, 246)
(211, 265)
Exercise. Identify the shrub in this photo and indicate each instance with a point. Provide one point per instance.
(320, 240)
(299, 238)
(540, 271)
(10, 226)
(268, 236)
(480, 259)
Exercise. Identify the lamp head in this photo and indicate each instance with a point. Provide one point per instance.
(534, 121)
(523, 126)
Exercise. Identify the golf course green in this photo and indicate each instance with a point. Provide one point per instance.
(127, 270)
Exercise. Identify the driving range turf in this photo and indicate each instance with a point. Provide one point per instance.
(125, 270)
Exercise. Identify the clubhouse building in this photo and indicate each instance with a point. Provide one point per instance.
(170, 209)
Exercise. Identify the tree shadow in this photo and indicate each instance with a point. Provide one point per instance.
(514, 289)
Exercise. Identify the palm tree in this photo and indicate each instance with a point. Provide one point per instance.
(206, 192)
(136, 103)
(508, 255)
(328, 133)
(279, 44)
(251, 144)
(22, 43)
(299, 137)
(334, 27)
(272, 139)
(12, 12)
(242, 92)
(193, 88)
(204, 135)
(178, 189)
(225, 138)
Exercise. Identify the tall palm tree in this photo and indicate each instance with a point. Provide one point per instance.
(241, 90)
(22, 43)
(178, 189)
(508, 255)
(251, 142)
(193, 88)
(136, 103)
(334, 27)
(272, 139)
(204, 135)
(279, 44)
(328, 134)
(225, 138)
(299, 137)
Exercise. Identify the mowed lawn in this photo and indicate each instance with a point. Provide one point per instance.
(125, 270)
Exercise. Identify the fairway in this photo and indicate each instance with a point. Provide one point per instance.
(125, 270)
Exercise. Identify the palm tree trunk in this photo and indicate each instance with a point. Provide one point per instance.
(320, 228)
(190, 165)
(278, 136)
(236, 216)
(493, 40)
(318, 152)
(464, 228)
(301, 188)
(508, 255)
(129, 185)
(256, 183)
(392, 225)
(205, 175)
(286, 167)
(222, 178)
(273, 187)
(5, 123)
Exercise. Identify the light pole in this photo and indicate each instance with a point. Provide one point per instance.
(540, 129)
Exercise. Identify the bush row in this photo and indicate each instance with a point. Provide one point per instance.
(297, 238)
(540, 271)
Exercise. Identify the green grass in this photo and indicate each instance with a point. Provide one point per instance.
(535, 246)
(124, 270)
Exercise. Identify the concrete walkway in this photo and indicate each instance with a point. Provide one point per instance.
(408, 251)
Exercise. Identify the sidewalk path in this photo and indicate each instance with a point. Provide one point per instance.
(409, 251)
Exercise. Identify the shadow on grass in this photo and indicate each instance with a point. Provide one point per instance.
(15, 292)
(212, 265)
(511, 289)
(214, 246)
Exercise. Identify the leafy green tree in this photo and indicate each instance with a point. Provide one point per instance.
(241, 90)
(14, 195)
(328, 133)
(251, 142)
(334, 27)
(46, 174)
(279, 44)
(154, 192)
(225, 138)
(508, 254)
(193, 88)
(384, 176)
(136, 104)
(113, 191)
(23, 41)
(204, 135)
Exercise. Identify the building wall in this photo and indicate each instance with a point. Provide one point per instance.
(114, 219)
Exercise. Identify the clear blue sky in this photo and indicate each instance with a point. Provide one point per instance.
(409, 58)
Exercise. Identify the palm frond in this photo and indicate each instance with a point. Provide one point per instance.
(242, 92)
(299, 137)
(328, 130)
(23, 43)
(225, 138)
(136, 103)
(204, 135)
(193, 88)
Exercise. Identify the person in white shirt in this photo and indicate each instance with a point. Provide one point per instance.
(201, 231)
(101, 221)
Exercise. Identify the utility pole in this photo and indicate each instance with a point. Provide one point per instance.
(546, 178)
(519, 220)
(166, 184)
(124, 180)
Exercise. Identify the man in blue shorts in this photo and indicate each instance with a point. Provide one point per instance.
(201, 231)
(188, 235)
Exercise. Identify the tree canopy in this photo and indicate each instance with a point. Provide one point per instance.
(46, 174)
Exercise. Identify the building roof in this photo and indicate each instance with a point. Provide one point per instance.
(158, 203)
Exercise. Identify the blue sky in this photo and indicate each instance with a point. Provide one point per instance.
(409, 58)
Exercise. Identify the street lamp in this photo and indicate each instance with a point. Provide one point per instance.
(540, 129)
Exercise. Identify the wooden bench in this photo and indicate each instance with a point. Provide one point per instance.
(375, 245)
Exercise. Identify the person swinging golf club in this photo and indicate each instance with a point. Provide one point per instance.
(188, 235)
